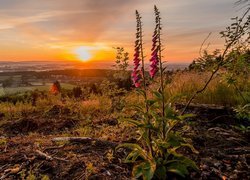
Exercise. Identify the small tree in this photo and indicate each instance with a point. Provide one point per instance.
(122, 75)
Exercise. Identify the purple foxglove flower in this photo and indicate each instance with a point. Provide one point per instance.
(154, 61)
(136, 77)
(137, 84)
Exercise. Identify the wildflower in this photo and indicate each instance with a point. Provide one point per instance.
(154, 61)
(156, 46)
(136, 74)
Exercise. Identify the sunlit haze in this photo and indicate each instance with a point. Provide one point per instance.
(87, 30)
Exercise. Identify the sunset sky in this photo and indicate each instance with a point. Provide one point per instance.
(47, 30)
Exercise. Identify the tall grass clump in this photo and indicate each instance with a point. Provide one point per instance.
(20, 109)
(218, 91)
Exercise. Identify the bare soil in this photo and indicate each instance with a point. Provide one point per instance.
(27, 148)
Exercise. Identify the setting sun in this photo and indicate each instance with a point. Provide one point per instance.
(82, 53)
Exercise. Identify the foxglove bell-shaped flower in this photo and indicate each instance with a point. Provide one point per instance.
(154, 61)
(156, 46)
(136, 74)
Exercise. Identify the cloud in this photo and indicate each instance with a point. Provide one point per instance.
(53, 23)
(81, 19)
(11, 22)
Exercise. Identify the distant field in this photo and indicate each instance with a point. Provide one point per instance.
(11, 90)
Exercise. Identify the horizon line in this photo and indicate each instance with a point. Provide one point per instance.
(75, 61)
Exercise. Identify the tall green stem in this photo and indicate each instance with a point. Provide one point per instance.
(162, 82)
(145, 88)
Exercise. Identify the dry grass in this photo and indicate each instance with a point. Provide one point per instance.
(184, 84)
(14, 111)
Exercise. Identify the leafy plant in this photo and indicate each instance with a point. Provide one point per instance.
(237, 37)
(122, 58)
(122, 75)
(157, 152)
(243, 113)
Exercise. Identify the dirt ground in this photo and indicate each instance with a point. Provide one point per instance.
(29, 149)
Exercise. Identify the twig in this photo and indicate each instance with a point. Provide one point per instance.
(202, 44)
(239, 92)
(218, 117)
(83, 140)
(12, 171)
(2, 167)
(54, 147)
(202, 89)
(50, 157)
(44, 155)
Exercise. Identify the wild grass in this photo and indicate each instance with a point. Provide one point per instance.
(218, 92)
(20, 109)
(180, 89)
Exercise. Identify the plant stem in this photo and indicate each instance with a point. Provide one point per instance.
(144, 85)
(241, 95)
(162, 83)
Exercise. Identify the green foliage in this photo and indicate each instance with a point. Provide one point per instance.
(164, 157)
(206, 62)
(244, 129)
(243, 112)
(122, 58)
(122, 76)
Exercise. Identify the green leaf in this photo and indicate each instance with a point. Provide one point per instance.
(137, 108)
(189, 163)
(135, 122)
(183, 117)
(181, 167)
(179, 171)
(169, 112)
(161, 172)
(174, 139)
(145, 169)
(165, 145)
(158, 95)
(191, 147)
(136, 147)
(151, 102)
(132, 156)
(142, 92)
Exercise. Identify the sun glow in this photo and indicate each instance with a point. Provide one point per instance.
(83, 53)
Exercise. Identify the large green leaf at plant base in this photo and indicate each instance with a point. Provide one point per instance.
(146, 169)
